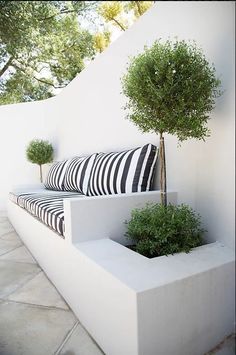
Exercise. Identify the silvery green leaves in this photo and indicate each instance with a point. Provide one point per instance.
(171, 88)
(39, 152)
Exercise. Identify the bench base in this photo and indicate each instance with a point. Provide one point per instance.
(175, 305)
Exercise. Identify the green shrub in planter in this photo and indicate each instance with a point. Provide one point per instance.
(161, 230)
(39, 152)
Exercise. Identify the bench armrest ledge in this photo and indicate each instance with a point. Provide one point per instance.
(100, 217)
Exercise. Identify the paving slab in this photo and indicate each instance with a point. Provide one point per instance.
(6, 221)
(8, 245)
(3, 214)
(80, 343)
(5, 227)
(20, 255)
(10, 236)
(39, 291)
(30, 330)
(3, 218)
(14, 275)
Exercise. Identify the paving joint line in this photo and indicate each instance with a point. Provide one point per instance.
(19, 262)
(20, 286)
(34, 305)
(11, 250)
(92, 339)
(20, 240)
(67, 337)
(4, 234)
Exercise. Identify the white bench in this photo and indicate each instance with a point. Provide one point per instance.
(132, 305)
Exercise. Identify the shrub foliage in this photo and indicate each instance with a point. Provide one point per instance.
(161, 230)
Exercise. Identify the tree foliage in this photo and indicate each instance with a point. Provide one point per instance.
(112, 11)
(171, 88)
(102, 40)
(161, 230)
(42, 47)
(45, 44)
(139, 7)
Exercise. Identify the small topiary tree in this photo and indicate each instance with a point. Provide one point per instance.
(39, 152)
(171, 88)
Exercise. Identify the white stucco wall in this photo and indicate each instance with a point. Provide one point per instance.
(88, 116)
(19, 124)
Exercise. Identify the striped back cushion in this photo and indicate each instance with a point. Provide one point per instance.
(78, 174)
(56, 175)
(124, 172)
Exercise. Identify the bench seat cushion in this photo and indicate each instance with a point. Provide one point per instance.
(46, 207)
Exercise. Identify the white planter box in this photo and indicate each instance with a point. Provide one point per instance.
(132, 305)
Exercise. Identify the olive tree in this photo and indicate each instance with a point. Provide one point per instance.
(171, 88)
(39, 152)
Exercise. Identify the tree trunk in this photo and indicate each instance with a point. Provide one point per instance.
(41, 173)
(162, 171)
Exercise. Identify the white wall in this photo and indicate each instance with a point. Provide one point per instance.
(88, 116)
(19, 124)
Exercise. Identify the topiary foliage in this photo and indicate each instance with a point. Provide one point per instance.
(171, 88)
(161, 230)
(39, 152)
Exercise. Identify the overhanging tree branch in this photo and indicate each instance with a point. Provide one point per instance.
(90, 6)
(38, 79)
(6, 66)
(118, 24)
(139, 8)
(57, 14)
(49, 83)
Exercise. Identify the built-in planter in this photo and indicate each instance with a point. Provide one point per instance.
(132, 305)
(180, 304)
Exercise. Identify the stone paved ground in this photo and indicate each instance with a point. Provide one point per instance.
(34, 318)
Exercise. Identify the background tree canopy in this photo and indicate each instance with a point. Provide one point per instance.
(45, 44)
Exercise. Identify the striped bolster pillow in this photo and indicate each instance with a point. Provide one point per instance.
(123, 172)
(56, 176)
(78, 173)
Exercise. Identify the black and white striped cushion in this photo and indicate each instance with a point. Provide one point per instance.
(78, 174)
(123, 172)
(48, 210)
(46, 207)
(56, 175)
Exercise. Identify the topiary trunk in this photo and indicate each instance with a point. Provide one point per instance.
(162, 170)
(41, 173)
